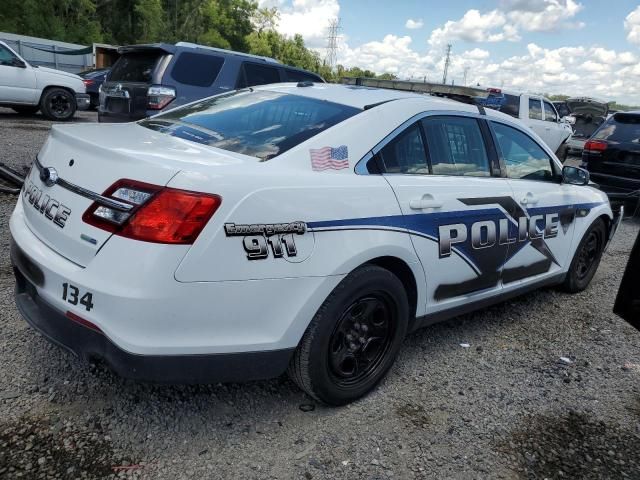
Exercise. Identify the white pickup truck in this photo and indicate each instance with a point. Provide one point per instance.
(29, 88)
(536, 112)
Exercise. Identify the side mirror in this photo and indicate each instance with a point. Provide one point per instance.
(575, 175)
(569, 119)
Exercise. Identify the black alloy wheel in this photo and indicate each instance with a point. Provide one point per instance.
(361, 339)
(58, 104)
(586, 258)
(354, 337)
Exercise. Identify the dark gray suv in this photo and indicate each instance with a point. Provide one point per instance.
(147, 79)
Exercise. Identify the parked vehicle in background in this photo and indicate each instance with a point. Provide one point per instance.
(562, 108)
(92, 80)
(587, 114)
(536, 112)
(27, 88)
(147, 79)
(612, 156)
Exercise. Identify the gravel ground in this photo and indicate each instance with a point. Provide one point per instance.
(506, 407)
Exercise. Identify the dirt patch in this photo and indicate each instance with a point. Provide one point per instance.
(414, 414)
(574, 446)
(48, 447)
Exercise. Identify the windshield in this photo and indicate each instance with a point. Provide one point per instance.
(622, 127)
(258, 123)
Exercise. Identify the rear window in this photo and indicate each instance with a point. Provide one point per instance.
(254, 74)
(505, 103)
(135, 67)
(197, 69)
(260, 123)
(622, 127)
(296, 76)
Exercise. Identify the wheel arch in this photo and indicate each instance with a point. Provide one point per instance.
(63, 87)
(405, 274)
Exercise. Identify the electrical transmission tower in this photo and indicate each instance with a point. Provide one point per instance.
(332, 43)
(464, 77)
(446, 64)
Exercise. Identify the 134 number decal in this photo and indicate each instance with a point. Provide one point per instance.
(71, 294)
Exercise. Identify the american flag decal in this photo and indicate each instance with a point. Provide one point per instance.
(329, 158)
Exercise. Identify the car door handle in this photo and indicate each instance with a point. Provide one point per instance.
(529, 199)
(426, 201)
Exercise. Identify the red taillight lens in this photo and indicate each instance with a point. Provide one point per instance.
(172, 216)
(595, 146)
(88, 82)
(159, 96)
(160, 215)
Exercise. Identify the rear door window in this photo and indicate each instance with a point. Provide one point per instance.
(622, 127)
(259, 123)
(550, 114)
(255, 74)
(456, 146)
(406, 153)
(135, 67)
(197, 69)
(523, 157)
(535, 109)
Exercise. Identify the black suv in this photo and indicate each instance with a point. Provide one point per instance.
(149, 78)
(612, 156)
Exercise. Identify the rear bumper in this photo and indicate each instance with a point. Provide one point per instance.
(90, 344)
(83, 101)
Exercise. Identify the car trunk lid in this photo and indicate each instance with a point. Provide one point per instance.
(124, 93)
(589, 114)
(88, 159)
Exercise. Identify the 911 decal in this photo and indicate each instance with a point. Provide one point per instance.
(261, 238)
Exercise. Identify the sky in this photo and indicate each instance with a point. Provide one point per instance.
(572, 47)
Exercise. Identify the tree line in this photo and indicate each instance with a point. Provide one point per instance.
(233, 24)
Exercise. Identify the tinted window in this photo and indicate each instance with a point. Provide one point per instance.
(505, 103)
(405, 153)
(535, 109)
(197, 69)
(6, 57)
(550, 113)
(562, 108)
(622, 127)
(296, 76)
(135, 67)
(255, 74)
(456, 147)
(259, 123)
(523, 157)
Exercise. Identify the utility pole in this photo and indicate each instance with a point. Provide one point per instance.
(446, 64)
(332, 43)
(464, 77)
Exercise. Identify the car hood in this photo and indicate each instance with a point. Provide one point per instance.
(59, 72)
(587, 106)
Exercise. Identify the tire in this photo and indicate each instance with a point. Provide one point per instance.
(368, 310)
(26, 110)
(586, 258)
(58, 104)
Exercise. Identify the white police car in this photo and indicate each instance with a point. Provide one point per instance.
(301, 227)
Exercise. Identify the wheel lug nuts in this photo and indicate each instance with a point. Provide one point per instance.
(353, 346)
(362, 340)
(364, 328)
(349, 337)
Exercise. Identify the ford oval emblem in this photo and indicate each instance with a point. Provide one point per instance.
(49, 176)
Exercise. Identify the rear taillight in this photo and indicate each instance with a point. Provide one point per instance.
(595, 146)
(88, 82)
(159, 97)
(158, 214)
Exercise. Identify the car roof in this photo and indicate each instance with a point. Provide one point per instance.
(351, 95)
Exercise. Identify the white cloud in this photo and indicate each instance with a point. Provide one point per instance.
(309, 18)
(542, 15)
(414, 24)
(632, 26)
(475, 27)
